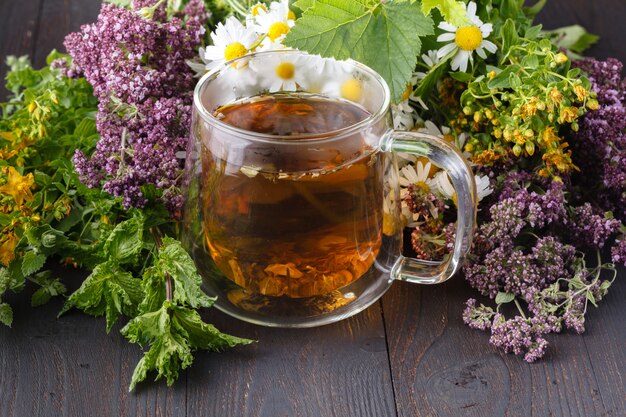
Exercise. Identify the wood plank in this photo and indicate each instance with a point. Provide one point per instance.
(601, 17)
(58, 18)
(337, 370)
(18, 23)
(442, 367)
(71, 367)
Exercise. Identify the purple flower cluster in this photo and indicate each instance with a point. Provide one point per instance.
(591, 227)
(525, 250)
(137, 68)
(519, 336)
(599, 146)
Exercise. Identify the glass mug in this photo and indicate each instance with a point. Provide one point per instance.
(292, 208)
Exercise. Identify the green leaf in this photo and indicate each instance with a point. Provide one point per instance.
(452, 11)
(203, 335)
(509, 35)
(504, 297)
(591, 298)
(153, 284)
(384, 36)
(535, 8)
(107, 291)
(32, 262)
(48, 240)
(172, 332)
(6, 314)
(464, 77)
(574, 38)
(174, 260)
(126, 241)
(304, 4)
(49, 288)
(532, 32)
(502, 79)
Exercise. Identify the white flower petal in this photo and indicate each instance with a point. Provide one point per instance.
(471, 9)
(481, 52)
(445, 37)
(486, 29)
(490, 46)
(446, 49)
(447, 27)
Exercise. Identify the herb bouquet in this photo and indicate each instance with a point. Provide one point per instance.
(93, 148)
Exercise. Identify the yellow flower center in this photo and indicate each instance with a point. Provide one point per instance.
(351, 90)
(285, 70)
(234, 50)
(291, 15)
(277, 30)
(468, 38)
(422, 186)
(258, 8)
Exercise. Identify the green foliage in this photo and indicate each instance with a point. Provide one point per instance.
(384, 36)
(173, 333)
(109, 291)
(575, 39)
(49, 287)
(46, 120)
(452, 11)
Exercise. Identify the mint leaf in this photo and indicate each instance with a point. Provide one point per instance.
(172, 332)
(6, 314)
(203, 335)
(49, 288)
(452, 11)
(384, 36)
(153, 284)
(107, 291)
(174, 260)
(32, 262)
(126, 241)
(504, 297)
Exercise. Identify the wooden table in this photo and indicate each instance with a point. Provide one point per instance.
(408, 355)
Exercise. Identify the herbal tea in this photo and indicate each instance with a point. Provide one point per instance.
(298, 232)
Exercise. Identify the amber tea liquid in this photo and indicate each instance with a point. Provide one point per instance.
(306, 229)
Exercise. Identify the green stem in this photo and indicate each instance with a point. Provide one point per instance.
(519, 308)
(156, 233)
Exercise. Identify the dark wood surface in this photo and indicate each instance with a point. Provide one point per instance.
(408, 355)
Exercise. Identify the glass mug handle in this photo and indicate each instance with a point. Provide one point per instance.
(450, 159)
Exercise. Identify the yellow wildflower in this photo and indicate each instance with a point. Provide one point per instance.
(568, 114)
(7, 248)
(18, 186)
(555, 95)
(580, 91)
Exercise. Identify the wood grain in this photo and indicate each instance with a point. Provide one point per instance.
(440, 367)
(18, 25)
(410, 357)
(601, 17)
(336, 370)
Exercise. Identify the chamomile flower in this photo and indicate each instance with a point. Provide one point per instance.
(402, 114)
(282, 72)
(483, 186)
(430, 59)
(276, 23)
(230, 40)
(466, 40)
(441, 182)
(415, 175)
